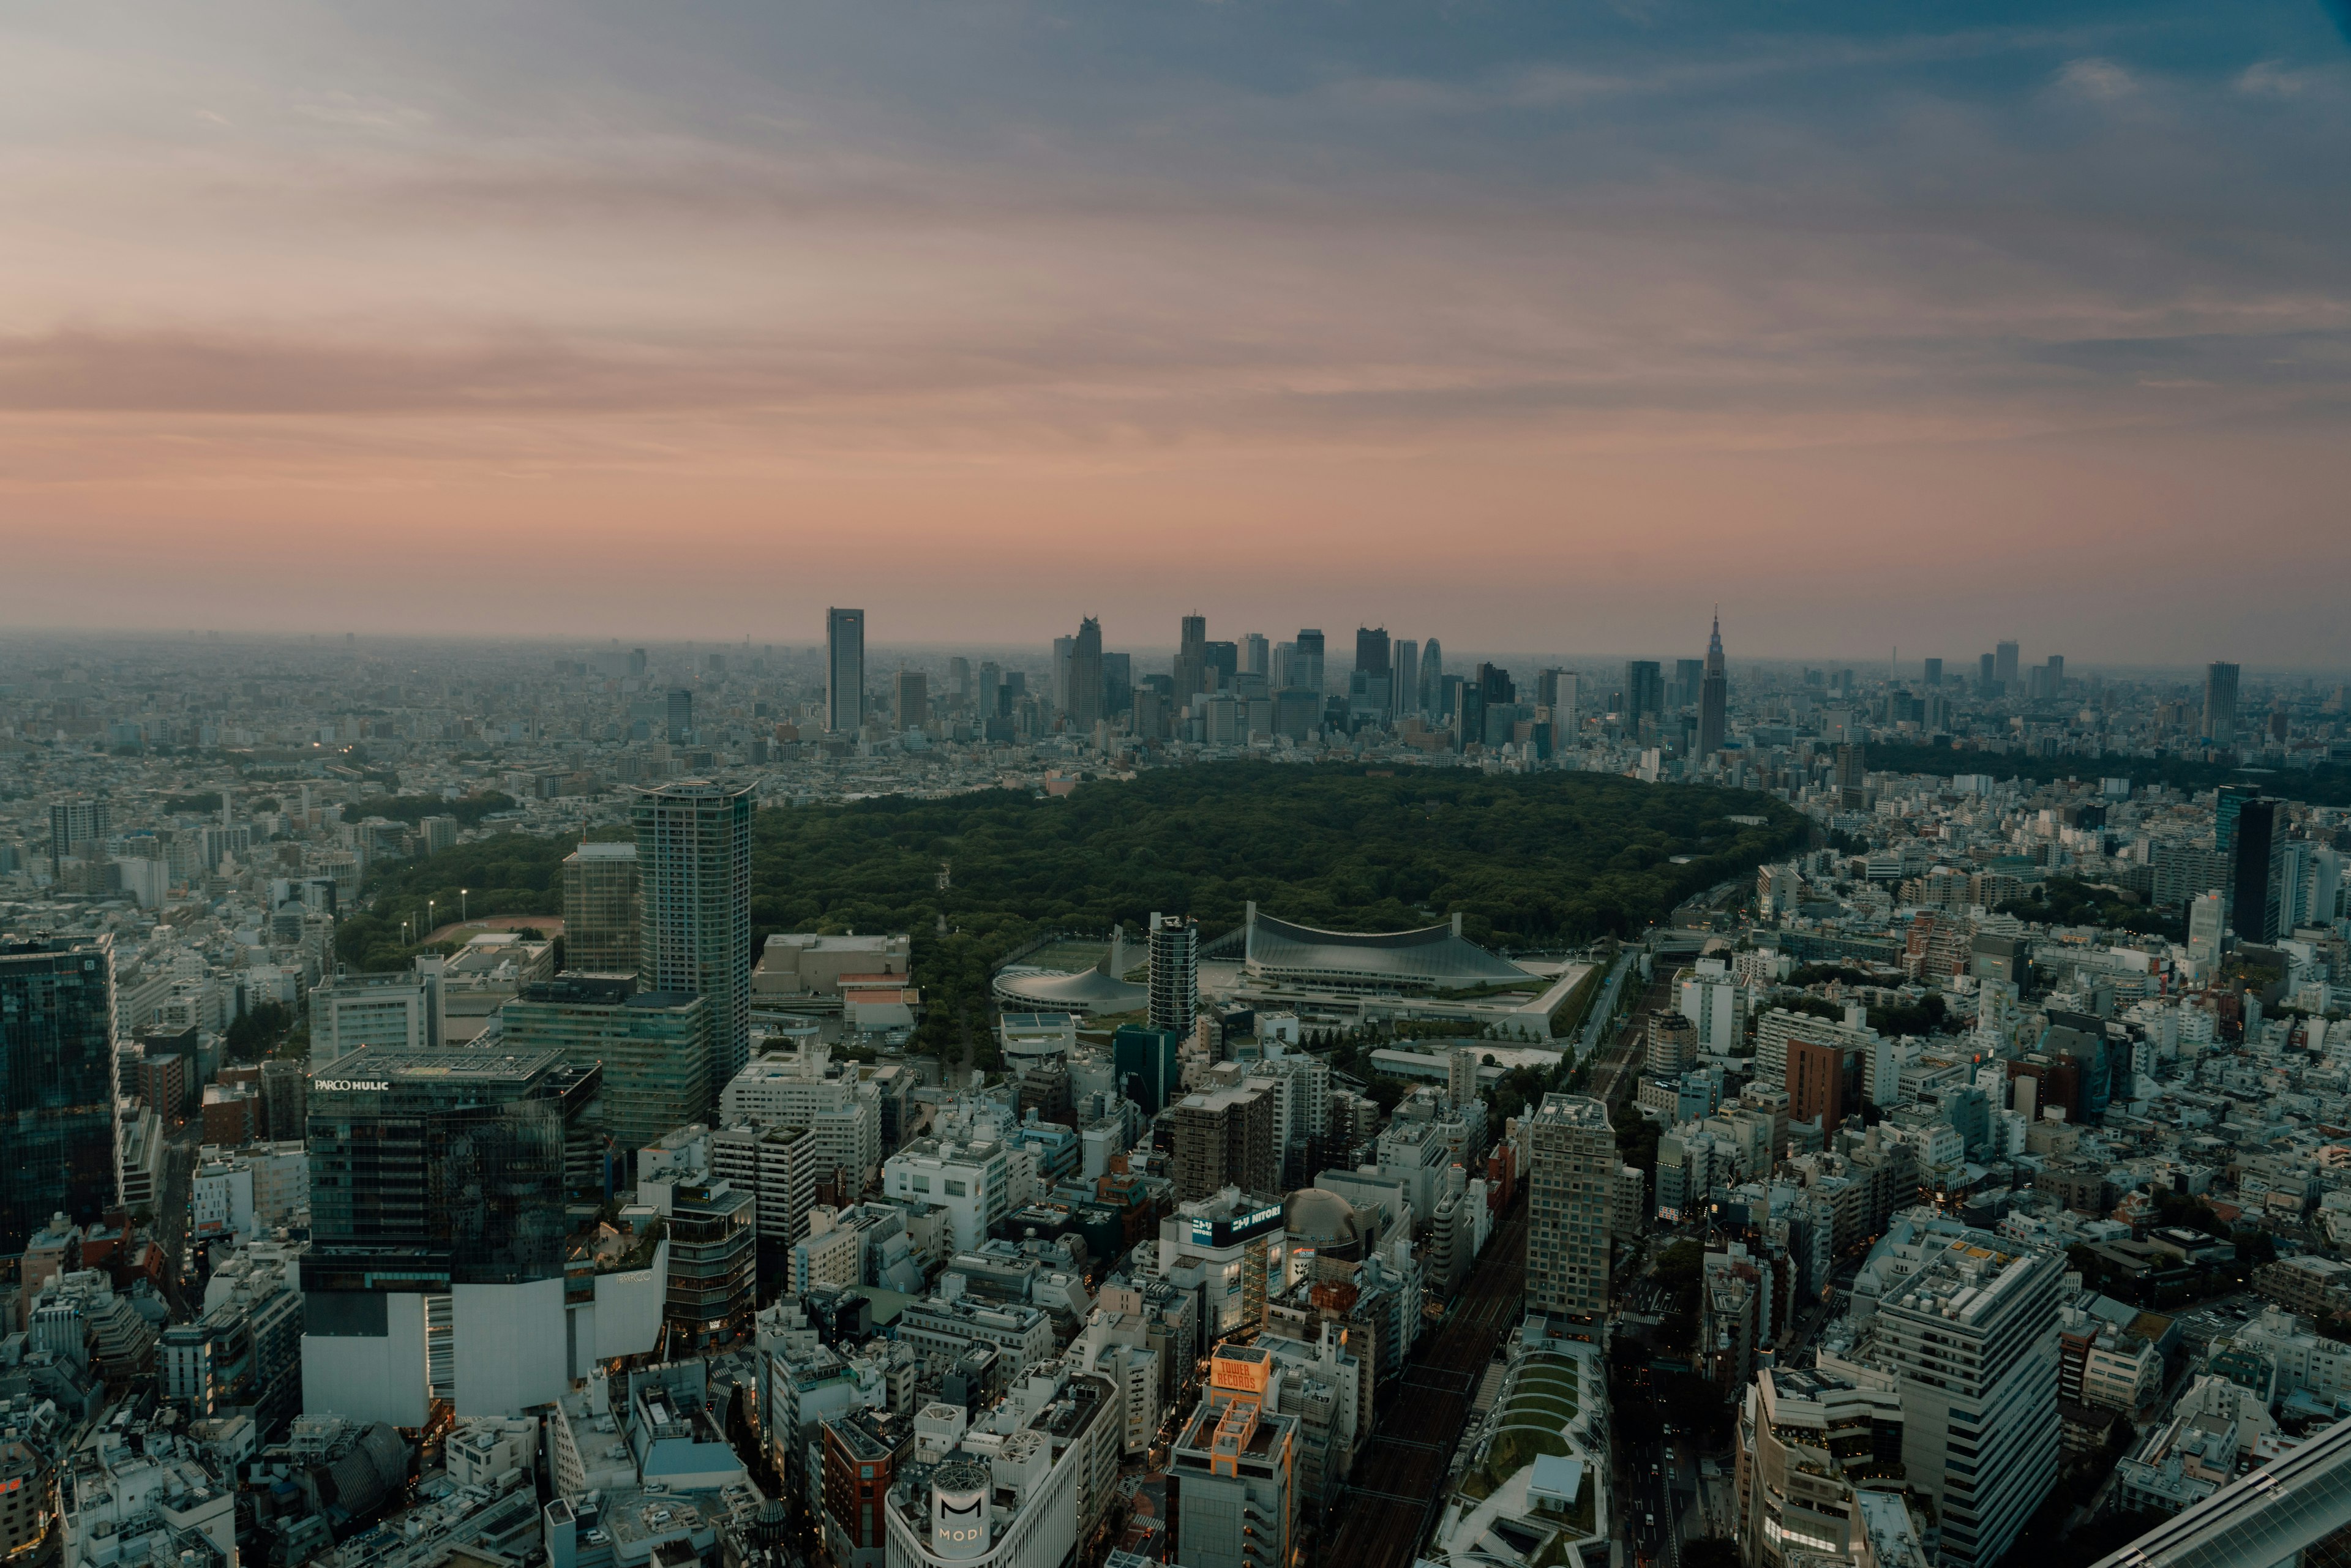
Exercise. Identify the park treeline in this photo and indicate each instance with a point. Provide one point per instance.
(1531, 860)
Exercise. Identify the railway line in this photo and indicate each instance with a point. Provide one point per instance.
(1397, 1486)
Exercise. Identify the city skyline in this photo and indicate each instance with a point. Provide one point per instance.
(1888, 323)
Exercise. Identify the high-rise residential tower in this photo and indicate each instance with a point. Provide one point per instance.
(2221, 704)
(59, 1082)
(1713, 696)
(1085, 706)
(600, 918)
(844, 671)
(693, 857)
(73, 823)
(1175, 973)
(1571, 1173)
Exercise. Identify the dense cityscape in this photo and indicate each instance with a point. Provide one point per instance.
(431, 1137)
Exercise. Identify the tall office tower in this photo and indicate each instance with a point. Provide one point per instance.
(1432, 678)
(653, 1048)
(1065, 650)
(1713, 696)
(636, 664)
(1969, 1337)
(1571, 1170)
(1984, 675)
(1118, 683)
(1144, 1065)
(73, 823)
(1175, 973)
(1192, 659)
(1405, 688)
(1220, 664)
(2003, 665)
(2229, 799)
(2221, 704)
(911, 699)
(1688, 673)
(600, 918)
(1307, 675)
(1852, 776)
(1372, 651)
(1257, 655)
(693, 854)
(2258, 865)
(1645, 691)
(989, 695)
(677, 722)
(2208, 920)
(1085, 707)
(437, 1180)
(59, 1082)
(959, 680)
(844, 671)
(1932, 675)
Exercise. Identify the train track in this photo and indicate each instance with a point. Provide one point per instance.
(1392, 1496)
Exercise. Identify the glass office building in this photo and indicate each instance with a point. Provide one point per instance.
(57, 1083)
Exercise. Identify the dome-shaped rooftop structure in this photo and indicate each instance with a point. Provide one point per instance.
(1088, 993)
(1324, 1222)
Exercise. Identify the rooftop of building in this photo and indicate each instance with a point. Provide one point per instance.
(1437, 954)
(377, 1064)
(1572, 1110)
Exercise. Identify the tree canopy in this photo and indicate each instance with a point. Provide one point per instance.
(1531, 861)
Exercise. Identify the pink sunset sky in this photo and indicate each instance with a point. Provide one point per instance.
(1525, 325)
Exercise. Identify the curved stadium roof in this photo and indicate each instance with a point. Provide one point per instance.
(1433, 957)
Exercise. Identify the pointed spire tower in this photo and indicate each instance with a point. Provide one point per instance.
(1713, 699)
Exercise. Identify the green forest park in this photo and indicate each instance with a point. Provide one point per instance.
(1532, 861)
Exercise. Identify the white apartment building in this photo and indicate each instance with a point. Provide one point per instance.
(794, 1089)
(1967, 1326)
(1713, 998)
(973, 1182)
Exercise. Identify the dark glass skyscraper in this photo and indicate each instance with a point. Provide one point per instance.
(2221, 704)
(434, 1168)
(844, 671)
(1085, 704)
(2255, 906)
(1192, 659)
(57, 1083)
(1645, 691)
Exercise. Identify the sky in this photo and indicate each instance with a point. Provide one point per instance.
(1551, 324)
